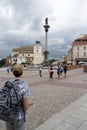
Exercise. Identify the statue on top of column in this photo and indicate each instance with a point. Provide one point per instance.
(46, 20)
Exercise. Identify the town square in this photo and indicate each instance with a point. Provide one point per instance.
(51, 96)
(43, 65)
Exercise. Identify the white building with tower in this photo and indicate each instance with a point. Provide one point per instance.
(28, 54)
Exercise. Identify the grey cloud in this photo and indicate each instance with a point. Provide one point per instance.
(21, 23)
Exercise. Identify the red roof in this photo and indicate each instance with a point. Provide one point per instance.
(80, 41)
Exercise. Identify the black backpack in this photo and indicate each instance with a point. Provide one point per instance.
(10, 100)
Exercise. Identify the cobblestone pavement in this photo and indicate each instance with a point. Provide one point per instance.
(49, 95)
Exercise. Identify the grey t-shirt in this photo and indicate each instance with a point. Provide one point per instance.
(25, 92)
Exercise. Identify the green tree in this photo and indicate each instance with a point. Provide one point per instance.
(2, 62)
(52, 60)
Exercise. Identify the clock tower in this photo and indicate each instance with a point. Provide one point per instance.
(38, 53)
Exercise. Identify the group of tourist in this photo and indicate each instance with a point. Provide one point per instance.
(60, 70)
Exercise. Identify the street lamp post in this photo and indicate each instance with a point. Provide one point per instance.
(46, 27)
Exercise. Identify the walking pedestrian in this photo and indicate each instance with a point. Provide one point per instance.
(51, 72)
(8, 70)
(58, 71)
(61, 70)
(40, 72)
(65, 70)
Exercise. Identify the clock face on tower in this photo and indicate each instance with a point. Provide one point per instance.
(37, 50)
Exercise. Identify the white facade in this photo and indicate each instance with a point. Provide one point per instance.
(80, 52)
(28, 54)
(38, 54)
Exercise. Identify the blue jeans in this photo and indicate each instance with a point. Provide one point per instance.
(16, 125)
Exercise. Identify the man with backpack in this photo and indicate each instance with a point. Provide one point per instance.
(15, 93)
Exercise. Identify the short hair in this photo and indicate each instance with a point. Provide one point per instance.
(17, 70)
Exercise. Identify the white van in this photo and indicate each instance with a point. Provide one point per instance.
(81, 63)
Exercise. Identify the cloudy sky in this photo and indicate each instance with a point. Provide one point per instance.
(21, 24)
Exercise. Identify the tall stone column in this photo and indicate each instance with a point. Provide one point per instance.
(46, 27)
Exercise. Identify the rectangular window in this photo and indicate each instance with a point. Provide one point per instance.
(84, 54)
(78, 42)
(78, 54)
(77, 48)
(84, 48)
(85, 41)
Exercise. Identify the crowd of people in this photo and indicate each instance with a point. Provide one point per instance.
(60, 70)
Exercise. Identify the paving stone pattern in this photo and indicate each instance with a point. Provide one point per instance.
(50, 96)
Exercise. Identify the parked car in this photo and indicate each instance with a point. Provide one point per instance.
(81, 63)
